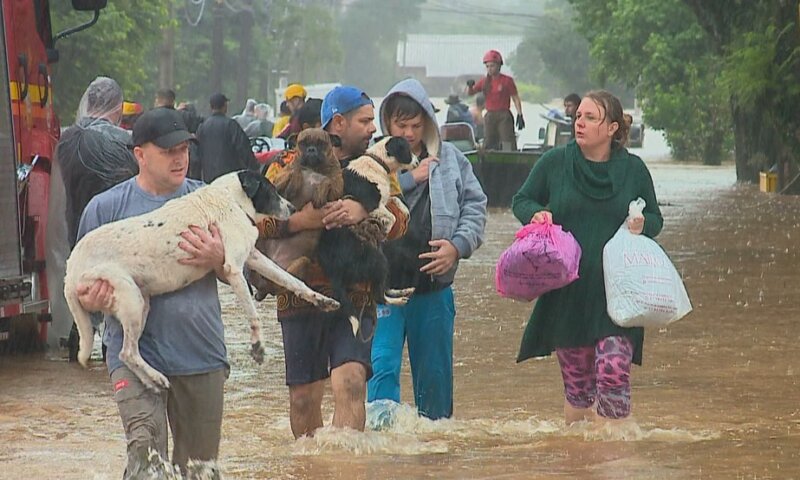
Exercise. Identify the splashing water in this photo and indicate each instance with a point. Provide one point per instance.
(151, 466)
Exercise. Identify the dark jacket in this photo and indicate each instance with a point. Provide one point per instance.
(94, 156)
(459, 112)
(223, 148)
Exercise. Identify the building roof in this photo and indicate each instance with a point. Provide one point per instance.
(453, 55)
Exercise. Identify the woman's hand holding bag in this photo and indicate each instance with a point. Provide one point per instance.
(643, 289)
(542, 258)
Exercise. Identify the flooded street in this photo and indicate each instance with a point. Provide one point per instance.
(717, 396)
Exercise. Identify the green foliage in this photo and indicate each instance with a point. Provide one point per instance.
(307, 45)
(531, 93)
(657, 47)
(119, 46)
(758, 44)
(751, 68)
(694, 116)
(554, 55)
(526, 60)
(298, 41)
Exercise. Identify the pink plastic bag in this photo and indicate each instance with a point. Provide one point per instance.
(542, 258)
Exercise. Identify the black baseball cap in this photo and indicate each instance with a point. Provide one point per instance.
(162, 126)
(218, 100)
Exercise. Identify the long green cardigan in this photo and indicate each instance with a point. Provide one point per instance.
(590, 200)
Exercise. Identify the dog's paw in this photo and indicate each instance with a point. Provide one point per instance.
(326, 304)
(401, 292)
(257, 352)
(395, 301)
(398, 297)
(156, 382)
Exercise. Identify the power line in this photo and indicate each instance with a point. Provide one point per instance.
(437, 7)
(196, 21)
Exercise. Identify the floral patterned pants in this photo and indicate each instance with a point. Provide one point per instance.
(600, 372)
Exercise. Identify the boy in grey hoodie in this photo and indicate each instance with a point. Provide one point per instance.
(448, 215)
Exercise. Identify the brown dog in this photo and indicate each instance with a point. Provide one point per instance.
(315, 177)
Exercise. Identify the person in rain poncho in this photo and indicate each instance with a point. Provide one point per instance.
(93, 153)
(92, 156)
(248, 115)
(284, 115)
(261, 126)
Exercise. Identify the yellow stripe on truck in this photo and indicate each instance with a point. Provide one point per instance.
(35, 92)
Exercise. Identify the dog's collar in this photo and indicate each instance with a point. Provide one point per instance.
(379, 160)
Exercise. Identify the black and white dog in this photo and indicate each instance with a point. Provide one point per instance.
(139, 256)
(346, 255)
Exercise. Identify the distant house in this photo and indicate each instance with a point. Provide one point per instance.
(443, 62)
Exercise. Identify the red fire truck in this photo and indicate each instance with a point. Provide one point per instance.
(29, 131)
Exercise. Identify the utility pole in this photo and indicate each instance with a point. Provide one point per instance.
(245, 51)
(217, 48)
(166, 52)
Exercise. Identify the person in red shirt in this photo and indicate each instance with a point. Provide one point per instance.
(499, 90)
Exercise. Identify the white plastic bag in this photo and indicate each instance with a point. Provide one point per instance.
(643, 289)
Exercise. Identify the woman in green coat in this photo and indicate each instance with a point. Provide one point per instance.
(586, 186)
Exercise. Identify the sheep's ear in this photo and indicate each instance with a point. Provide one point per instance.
(250, 181)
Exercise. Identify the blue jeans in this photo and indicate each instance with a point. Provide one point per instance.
(427, 322)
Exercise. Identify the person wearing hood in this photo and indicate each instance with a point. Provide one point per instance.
(448, 216)
(261, 126)
(93, 153)
(92, 156)
(248, 115)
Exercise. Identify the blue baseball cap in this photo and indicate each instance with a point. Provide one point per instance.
(341, 100)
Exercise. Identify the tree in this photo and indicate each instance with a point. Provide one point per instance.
(759, 42)
(255, 37)
(555, 56)
(657, 47)
(552, 54)
(250, 44)
(120, 45)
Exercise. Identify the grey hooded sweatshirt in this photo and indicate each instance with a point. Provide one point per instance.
(457, 201)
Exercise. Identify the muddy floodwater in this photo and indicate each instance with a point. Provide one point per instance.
(717, 396)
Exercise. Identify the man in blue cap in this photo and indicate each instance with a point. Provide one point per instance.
(349, 113)
(318, 345)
